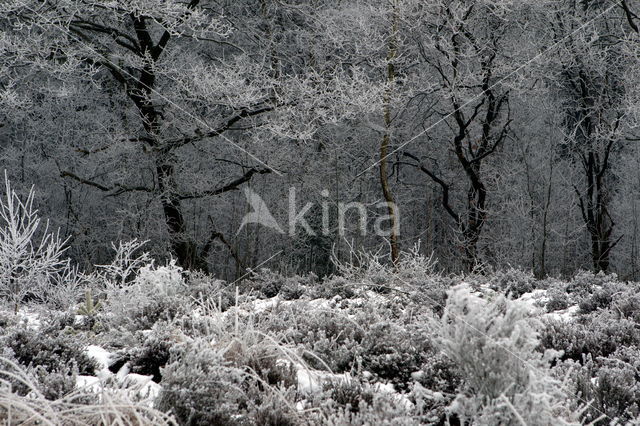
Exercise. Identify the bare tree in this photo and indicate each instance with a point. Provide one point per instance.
(188, 85)
(590, 71)
(467, 59)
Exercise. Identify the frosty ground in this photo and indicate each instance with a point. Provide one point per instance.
(371, 344)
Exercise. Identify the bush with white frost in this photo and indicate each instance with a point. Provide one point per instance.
(493, 344)
(30, 256)
(79, 407)
(125, 264)
(154, 293)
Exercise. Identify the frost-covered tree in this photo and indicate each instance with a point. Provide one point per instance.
(589, 70)
(183, 101)
(31, 257)
(468, 47)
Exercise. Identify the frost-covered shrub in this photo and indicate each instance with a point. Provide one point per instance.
(66, 288)
(393, 353)
(262, 357)
(432, 294)
(613, 387)
(55, 384)
(567, 337)
(156, 350)
(205, 289)
(627, 304)
(586, 282)
(157, 293)
(334, 286)
(53, 322)
(348, 393)
(599, 334)
(292, 289)
(265, 281)
(51, 384)
(372, 271)
(332, 338)
(7, 320)
(23, 402)
(438, 374)
(31, 257)
(383, 409)
(270, 412)
(514, 282)
(125, 264)
(158, 309)
(270, 284)
(493, 344)
(199, 389)
(165, 279)
(54, 353)
(600, 297)
(208, 385)
(558, 299)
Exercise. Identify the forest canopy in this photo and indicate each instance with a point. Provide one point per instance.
(492, 132)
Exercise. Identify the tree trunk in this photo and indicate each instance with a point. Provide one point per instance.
(384, 146)
(185, 250)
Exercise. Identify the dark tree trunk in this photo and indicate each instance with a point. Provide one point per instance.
(594, 208)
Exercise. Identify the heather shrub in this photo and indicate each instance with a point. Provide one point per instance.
(55, 384)
(493, 344)
(266, 282)
(383, 409)
(205, 290)
(393, 353)
(598, 334)
(292, 289)
(269, 284)
(333, 286)
(22, 401)
(438, 374)
(558, 297)
(331, 338)
(212, 385)
(431, 294)
(513, 282)
(600, 297)
(585, 282)
(348, 394)
(612, 386)
(156, 350)
(156, 293)
(53, 353)
(627, 305)
(199, 389)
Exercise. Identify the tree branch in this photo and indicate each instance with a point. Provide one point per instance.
(157, 50)
(630, 16)
(443, 185)
(231, 186)
(245, 113)
(117, 35)
(116, 189)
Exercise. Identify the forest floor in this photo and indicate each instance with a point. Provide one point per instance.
(369, 345)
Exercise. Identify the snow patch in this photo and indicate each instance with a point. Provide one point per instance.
(89, 383)
(563, 315)
(312, 381)
(30, 319)
(262, 305)
(100, 355)
(538, 296)
(141, 387)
